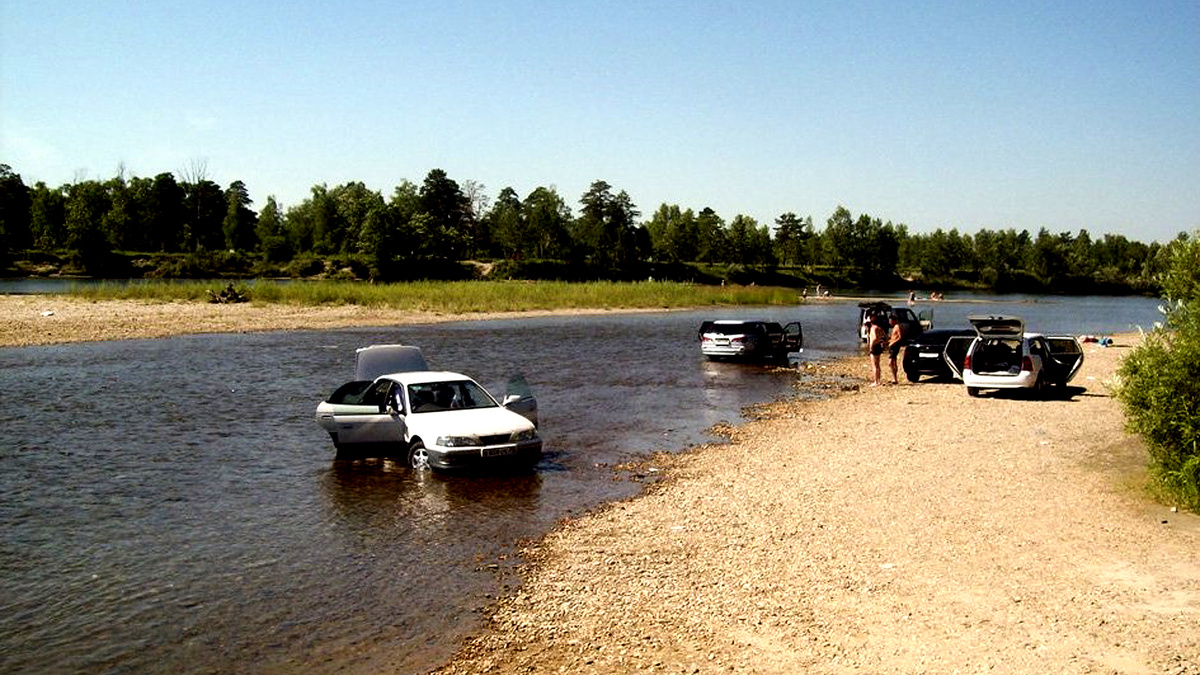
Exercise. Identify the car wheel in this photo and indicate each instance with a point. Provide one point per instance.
(1039, 386)
(972, 391)
(418, 456)
(912, 377)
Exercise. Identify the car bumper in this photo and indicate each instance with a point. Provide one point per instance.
(726, 351)
(525, 452)
(925, 362)
(1021, 380)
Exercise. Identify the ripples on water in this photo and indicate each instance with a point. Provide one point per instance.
(169, 506)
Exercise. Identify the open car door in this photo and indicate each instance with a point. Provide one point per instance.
(793, 337)
(518, 398)
(955, 353)
(358, 415)
(925, 318)
(1067, 356)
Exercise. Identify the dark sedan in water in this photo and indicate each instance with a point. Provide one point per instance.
(929, 354)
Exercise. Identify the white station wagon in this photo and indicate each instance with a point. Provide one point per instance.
(1003, 356)
(397, 407)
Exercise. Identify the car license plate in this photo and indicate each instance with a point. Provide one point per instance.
(928, 355)
(498, 452)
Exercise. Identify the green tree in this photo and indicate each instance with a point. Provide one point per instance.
(47, 216)
(509, 232)
(606, 227)
(352, 203)
(548, 220)
(673, 235)
(314, 225)
(87, 205)
(383, 238)
(165, 214)
(711, 241)
(272, 233)
(449, 223)
(15, 207)
(791, 238)
(1159, 385)
(238, 226)
(123, 221)
(205, 207)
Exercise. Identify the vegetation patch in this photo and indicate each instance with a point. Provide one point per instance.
(1159, 382)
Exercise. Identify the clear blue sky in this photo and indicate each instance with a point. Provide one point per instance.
(1063, 115)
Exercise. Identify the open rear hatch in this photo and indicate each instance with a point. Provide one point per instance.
(998, 326)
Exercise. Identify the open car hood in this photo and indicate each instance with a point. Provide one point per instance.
(371, 362)
(998, 326)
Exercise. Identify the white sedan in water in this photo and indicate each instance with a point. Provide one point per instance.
(434, 419)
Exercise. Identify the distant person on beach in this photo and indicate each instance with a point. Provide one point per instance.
(895, 343)
(912, 297)
(876, 336)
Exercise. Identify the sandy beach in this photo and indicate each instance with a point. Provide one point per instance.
(900, 529)
(27, 320)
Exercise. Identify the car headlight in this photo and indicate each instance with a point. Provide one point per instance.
(457, 441)
(524, 435)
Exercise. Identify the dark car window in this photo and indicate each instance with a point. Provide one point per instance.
(351, 393)
(733, 328)
(438, 396)
(377, 394)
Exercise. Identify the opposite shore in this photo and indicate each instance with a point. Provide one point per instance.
(55, 319)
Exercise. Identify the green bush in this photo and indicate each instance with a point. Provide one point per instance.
(1159, 382)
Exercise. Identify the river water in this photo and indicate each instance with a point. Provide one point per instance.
(170, 506)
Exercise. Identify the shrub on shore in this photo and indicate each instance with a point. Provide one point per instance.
(1160, 380)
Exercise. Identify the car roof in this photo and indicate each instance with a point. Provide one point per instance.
(944, 333)
(735, 322)
(424, 376)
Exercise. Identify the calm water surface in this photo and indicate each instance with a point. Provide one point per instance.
(170, 506)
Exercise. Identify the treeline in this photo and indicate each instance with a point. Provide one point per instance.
(424, 231)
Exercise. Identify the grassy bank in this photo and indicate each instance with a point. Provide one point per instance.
(458, 296)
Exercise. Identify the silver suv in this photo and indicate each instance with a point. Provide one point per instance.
(735, 339)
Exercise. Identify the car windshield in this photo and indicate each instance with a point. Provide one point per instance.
(454, 395)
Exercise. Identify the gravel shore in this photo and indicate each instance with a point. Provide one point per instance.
(54, 319)
(901, 529)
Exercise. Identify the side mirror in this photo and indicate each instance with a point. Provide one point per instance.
(510, 399)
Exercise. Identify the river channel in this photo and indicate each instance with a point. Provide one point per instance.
(170, 506)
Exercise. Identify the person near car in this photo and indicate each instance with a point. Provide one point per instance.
(876, 337)
(895, 342)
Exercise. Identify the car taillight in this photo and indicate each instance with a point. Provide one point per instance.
(967, 362)
(1027, 364)
(705, 338)
(738, 340)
